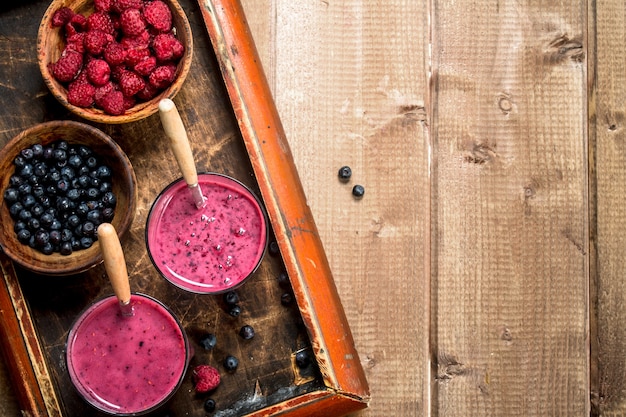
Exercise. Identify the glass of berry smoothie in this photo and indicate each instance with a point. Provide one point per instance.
(213, 248)
(127, 364)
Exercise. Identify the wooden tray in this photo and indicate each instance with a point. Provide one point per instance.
(234, 129)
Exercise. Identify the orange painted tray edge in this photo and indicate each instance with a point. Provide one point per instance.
(284, 197)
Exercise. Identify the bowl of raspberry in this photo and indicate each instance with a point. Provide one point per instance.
(59, 181)
(113, 61)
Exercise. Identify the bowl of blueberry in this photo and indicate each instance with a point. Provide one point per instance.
(60, 180)
(113, 61)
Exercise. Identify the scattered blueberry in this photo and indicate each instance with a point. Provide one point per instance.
(344, 173)
(286, 299)
(235, 311)
(208, 341)
(231, 298)
(231, 363)
(246, 332)
(283, 279)
(302, 359)
(358, 191)
(209, 405)
(274, 250)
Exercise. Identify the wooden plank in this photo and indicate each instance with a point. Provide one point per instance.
(350, 81)
(510, 257)
(608, 165)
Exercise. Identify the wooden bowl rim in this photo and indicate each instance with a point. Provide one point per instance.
(85, 259)
(140, 110)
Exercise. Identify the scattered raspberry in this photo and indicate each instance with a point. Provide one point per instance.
(62, 17)
(162, 76)
(68, 66)
(131, 83)
(80, 93)
(100, 21)
(96, 41)
(132, 22)
(145, 66)
(167, 48)
(113, 103)
(115, 54)
(206, 377)
(102, 5)
(98, 72)
(158, 15)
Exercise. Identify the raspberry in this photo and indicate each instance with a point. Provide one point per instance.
(100, 21)
(96, 41)
(147, 93)
(146, 66)
(132, 22)
(206, 377)
(131, 83)
(135, 55)
(68, 66)
(98, 72)
(62, 17)
(102, 5)
(114, 53)
(76, 42)
(78, 22)
(80, 93)
(167, 48)
(113, 103)
(119, 6)
(136, 42)
(162, 76)
(158, 15)
(102, 91)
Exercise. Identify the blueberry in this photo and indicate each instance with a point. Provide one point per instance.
(23, 236)
(274, 250)
(208, 341)
(65, 248)
(286, 299)
(231, 363)
(11, 195)
(302, 359)
(37, 149)
(27, 154)
(345, 172)
(234, 311)
(86, 242)
(231, 298)
(358, 191)
(209, 405)
(246, 332)
(15, 209)
(283, 279)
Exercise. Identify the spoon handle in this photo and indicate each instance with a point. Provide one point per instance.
(114, 262)
(175, 130)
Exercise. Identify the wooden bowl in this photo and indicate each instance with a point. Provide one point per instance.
(123, 183)
(50, 44)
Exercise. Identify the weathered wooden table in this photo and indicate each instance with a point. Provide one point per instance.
(482, 272)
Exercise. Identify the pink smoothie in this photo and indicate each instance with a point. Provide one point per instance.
(211, 249)
(127, 365)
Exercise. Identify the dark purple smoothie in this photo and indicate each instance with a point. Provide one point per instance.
(211, 249)
(127, 365)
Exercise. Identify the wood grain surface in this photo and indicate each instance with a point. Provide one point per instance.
(482, 271)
